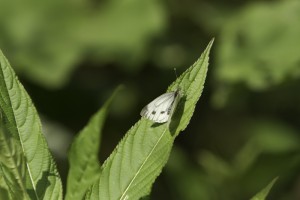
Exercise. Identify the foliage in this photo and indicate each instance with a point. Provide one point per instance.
(26, 164)
(128, 173)
(258, 48)
(71, 55)
(55, 35)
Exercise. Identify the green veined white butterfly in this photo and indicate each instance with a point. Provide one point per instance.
(161, 109)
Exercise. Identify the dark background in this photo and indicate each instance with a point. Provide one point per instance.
(71, 55)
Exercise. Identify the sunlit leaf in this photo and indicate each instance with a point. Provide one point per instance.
(12, 164)
(138, 159)
(23, 129)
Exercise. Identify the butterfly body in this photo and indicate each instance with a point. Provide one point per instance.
(160, 110)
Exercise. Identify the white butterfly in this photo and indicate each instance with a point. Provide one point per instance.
(161, 109)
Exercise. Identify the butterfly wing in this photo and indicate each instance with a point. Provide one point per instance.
(159, 110)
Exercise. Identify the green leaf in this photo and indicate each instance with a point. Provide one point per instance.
(24, 131)
(83, 155)
(4, 194)
(12, 164)
(264, 192)
(138, 159)
(3, 186)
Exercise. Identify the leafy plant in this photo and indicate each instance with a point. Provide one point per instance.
(29, 172)
(139, 158)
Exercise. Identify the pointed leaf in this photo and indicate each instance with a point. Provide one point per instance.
(138, 159)
(262, 195)
(24, 125)
(83, 155)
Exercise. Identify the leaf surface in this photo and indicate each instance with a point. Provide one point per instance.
(138, 159)
(22, 128)
(12, 165)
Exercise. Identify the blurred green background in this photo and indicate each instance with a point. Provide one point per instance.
(71, 55)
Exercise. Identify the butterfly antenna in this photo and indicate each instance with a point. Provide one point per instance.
(175, 72)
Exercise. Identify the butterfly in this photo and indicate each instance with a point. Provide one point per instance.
(161, 109)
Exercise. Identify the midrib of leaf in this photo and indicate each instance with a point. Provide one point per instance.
(6, 139)
(131, 169)
(144, 162)
(5, 67)
(23, 123)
